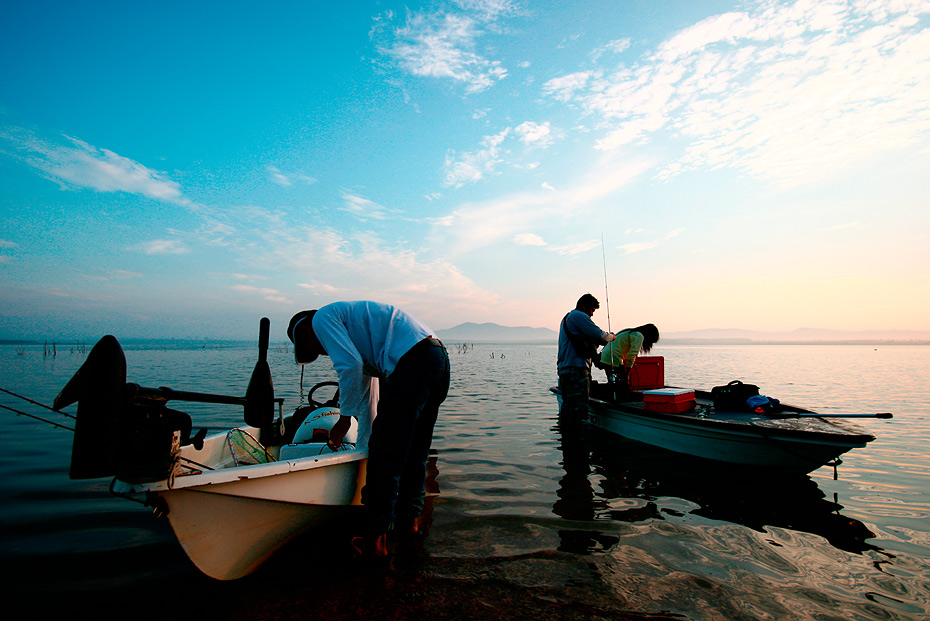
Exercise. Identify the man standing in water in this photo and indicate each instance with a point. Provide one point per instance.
(368, 340)
(578, 341)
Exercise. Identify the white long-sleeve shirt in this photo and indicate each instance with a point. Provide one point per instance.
(365, 340)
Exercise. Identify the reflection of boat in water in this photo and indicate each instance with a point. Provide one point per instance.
(792, 440)
(636, 481)
(233, 498)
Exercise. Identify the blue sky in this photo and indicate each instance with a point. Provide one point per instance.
(171, 170)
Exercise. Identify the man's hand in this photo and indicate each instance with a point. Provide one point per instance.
(339, 431)
(611, 337)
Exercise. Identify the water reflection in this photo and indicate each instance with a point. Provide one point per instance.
(607, 477)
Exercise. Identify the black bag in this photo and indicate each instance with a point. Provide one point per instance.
(733, 396)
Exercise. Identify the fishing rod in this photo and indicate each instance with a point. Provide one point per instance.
(607, 304)
(44, 420)
(606, 293)
(47, 407)
(816, 415)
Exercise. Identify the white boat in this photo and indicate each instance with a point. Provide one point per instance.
(791, 439)
(232, 498)
(231, 516)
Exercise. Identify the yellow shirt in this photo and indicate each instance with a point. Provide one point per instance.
(623, 350)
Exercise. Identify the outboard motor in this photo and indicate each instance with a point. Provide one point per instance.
(116, 431)
(128, 431)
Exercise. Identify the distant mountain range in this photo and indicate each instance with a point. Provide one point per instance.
(495, 333)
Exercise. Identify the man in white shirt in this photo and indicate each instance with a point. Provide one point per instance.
(368, 340)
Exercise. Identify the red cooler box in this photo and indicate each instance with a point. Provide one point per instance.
(668, 400)
(648, 373)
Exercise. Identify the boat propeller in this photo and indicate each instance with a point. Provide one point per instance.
(135, 420)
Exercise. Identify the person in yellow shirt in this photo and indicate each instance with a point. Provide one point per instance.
(618, 356)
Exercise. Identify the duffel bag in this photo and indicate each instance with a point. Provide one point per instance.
(733, 396)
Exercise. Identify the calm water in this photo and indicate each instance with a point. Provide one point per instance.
(525, 524)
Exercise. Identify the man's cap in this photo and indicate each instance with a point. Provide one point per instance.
(304, 351)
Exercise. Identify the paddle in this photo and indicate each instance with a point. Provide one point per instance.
(259, 396)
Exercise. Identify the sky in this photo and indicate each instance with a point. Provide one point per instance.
(175, 170)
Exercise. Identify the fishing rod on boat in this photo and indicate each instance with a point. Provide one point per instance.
(34, 402)
(39, 418)
(606, 293)
(607, 304)
(815, 415)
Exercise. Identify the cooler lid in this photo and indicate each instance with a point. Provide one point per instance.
(669, 392)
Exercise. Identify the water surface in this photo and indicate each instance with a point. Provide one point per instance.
(527, 522)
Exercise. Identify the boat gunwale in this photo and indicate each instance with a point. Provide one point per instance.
(234, 474)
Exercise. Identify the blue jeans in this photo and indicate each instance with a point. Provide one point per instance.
(401, 436)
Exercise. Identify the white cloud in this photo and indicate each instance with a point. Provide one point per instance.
(577, 247)
(364, 208)
(617, 46)
(642, 246)
(288, 179)
(124, 274)
(7, 244)
(477, 225)
(272, 295)
(637, 247)
(328, 264)
(318, 288)
(489, 10)
(442, 46)
(534, 134)
(566, 87)
(473, 166)
(528, 239)
(73, 162)
(162, 246)
(790, 92)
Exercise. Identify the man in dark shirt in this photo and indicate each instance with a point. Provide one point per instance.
(579, 338)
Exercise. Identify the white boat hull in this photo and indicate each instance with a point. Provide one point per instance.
(231, 520)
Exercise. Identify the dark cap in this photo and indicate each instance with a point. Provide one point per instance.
(307, 349)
